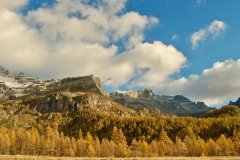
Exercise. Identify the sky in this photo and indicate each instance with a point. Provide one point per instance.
(187, 47)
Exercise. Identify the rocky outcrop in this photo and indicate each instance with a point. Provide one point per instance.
(237, 103)
(75, 93)
(17, 80)
(3, 71)
(177, 105)
(3, 88)
(22, 84)
(66, 102)
(63, 95)
(134, 94)
(27, 79)
(86, 83)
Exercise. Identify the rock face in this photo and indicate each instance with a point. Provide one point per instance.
(17, 80)
(87, 83)
(177, 105)
(64, 95)
(135, 94)
(3, 88)
(75, 93)
(237, 103)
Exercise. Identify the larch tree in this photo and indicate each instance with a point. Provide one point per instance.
(97, 147)
(180, 148)
(167, 142)
(236, 143)
(107, 148)
(145, 149)
(135, 148)
(154, 149)
(121, 147)
(213, 148)
(13, 138)
(226, 146)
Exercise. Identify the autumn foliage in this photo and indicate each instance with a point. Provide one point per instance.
(94, 135)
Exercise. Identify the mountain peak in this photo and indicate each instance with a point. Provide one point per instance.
(145, 93)
(237, 103)
(3, 71)
(90, 82)
(181, 97)
(178, 105)
(24, 84)
(148, 93)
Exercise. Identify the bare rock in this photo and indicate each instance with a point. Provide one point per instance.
(86, 83)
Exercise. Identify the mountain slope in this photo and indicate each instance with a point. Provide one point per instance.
(178, 105)
(75, 93)
(225, 111)
(63, 96)
(237, 103)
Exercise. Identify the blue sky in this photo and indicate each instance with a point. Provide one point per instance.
(188, 47)
(183, 17)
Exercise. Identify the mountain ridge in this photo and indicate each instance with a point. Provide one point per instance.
(73, 93)
(236, 103)
(62, 95)
(146, 98)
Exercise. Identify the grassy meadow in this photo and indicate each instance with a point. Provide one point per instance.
(21, 157)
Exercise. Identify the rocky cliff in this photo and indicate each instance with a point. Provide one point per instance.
(177, 105)
(64, 95)
(75, 93)
(237, 103)
(87, 83)
(134, 94)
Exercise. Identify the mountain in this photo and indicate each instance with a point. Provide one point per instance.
(237, 103)
(13, 80)
(13, 85)
(76, 93)
(63, 95)
(177, 105)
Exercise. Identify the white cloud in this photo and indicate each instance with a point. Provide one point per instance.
(214, 29)
(74, 38)
(20, 46)
(217, 27)
(213, 86)
(12, 4)
(75, 21)
(200, 2)
(174, 37)
(152, 63)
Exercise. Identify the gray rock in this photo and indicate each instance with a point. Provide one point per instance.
(177, 105)
(237, 103)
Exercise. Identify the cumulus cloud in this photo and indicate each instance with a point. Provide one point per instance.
(153, 63)
(213, 86)
(213, 30)
(74, 20)
(12, 4)
(75, 38)
(20, 46)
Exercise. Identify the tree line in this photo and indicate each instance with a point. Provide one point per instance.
(150, 127)
(52, 143)
(89, 133)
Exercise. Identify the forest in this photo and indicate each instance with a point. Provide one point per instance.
(91, 134)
